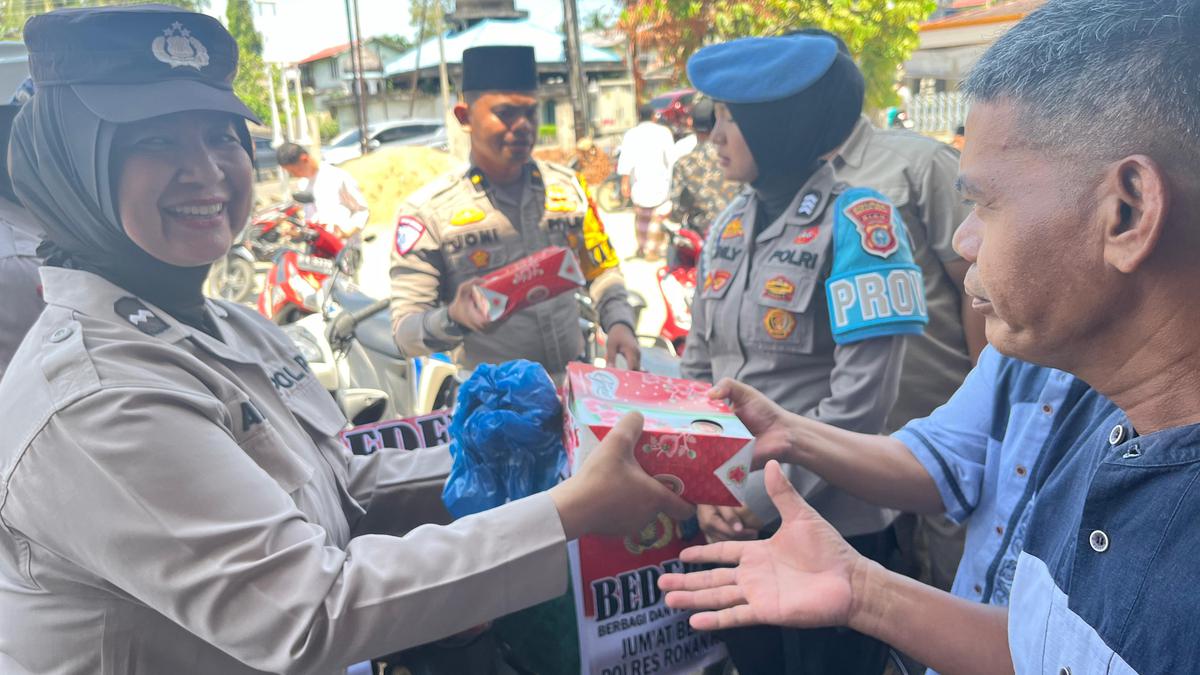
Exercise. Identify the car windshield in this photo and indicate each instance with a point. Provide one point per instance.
(345, 140)
(660, 102)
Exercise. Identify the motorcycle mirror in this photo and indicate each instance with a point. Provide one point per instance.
(303, 196)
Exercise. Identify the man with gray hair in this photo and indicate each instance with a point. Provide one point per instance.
(1081, 166)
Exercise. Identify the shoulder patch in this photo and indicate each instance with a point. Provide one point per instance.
(874, 289)
(733, 230)
(809, 203)
(408, 232)
(139, 315)
(874, 219)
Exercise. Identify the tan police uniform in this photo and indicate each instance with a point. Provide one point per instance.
(456, 229)
(764, 316)
(918, 174)
(174, 503)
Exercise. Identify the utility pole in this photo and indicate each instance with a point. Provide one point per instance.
(575, 80)
(356, 69)
(443, 77)
(412, 90)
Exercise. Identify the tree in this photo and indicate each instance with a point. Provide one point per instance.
(881, 34)
(14, 13)
(249, 84)
(397, 42)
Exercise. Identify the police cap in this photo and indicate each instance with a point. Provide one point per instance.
(760, 70)
(499, 68)
(136, 62)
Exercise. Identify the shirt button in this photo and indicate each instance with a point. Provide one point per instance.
(1021, 471)
(1099, 541)
(1047, 408)
(978, 588)
(1116, 435)
(999, 529)
(1065, 670)
(60, 334)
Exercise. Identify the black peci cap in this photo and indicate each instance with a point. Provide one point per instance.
(136, 62)
(499, 68)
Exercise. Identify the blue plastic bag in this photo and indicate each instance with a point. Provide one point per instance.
(505, 438)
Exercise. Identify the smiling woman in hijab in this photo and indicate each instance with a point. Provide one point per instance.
(809, 289)
(173, 495)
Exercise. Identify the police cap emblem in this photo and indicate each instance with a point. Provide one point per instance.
(177, 48)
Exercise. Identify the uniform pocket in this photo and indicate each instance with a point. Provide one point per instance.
(270, 452)
(781, 299)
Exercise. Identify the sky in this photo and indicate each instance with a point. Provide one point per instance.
(303, 27)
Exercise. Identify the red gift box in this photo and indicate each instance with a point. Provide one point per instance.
(549, 272)
(692, 444)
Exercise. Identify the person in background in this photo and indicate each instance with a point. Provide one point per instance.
(647, 153)
(337, 203)
(960, 138)
(780, 306)
(699, 190)
(503, 207)
(19, 238)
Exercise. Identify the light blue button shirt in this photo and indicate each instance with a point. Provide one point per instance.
(982, 449)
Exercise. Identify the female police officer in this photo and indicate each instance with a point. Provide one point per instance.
(808, 288)
(173, 497)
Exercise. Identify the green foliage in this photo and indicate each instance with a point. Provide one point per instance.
(397, 42)
(880, 33)
(328, 127)
(240, 22)
(250, 83)
(14, 13)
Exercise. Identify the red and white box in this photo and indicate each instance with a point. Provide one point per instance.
(549, 272)
(691, 443)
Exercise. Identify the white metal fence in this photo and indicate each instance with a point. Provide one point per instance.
(937, 113)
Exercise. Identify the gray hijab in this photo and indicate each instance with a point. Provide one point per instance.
(63, 171)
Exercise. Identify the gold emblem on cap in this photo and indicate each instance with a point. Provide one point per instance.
(177, 48)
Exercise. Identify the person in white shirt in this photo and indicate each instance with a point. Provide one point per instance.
(337, 204)
(647, 155)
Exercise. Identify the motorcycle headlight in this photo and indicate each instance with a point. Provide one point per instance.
(305, 342)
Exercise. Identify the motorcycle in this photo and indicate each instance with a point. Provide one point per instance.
(677, 283)
(233, 277)
(291, 289)
(608, 192)
(349, 346)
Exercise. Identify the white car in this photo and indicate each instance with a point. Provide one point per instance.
(429, 132)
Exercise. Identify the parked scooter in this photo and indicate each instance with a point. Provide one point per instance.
(677, 283)
(291, 289)
(233, 277)
(350, 348)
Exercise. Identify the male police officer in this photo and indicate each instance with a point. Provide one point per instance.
(505, 207)
(808, 290)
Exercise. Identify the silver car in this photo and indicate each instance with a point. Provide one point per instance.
(429, 132)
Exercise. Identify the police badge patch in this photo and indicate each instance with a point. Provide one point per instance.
(733, 230)
(408, 233)
(139, 315)
(467, 216)
(873, 218)
(779, 324)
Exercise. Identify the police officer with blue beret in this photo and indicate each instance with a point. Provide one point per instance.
(808, 291)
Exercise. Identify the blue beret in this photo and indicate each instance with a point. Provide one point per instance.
(761, 69)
